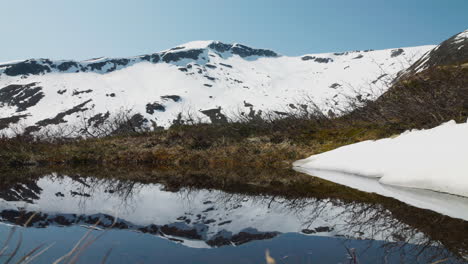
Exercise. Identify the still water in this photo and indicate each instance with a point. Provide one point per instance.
(123, 221)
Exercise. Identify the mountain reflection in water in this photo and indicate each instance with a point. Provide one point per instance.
(144, 221)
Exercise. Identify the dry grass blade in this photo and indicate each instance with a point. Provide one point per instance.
(27, 255)
(268, 258)
(7, 241)
(38, 254)
(85, 246)
(29, 219)
(104, 260)
(352, 256)
(18, 245)
(440, 261)
(77, 245)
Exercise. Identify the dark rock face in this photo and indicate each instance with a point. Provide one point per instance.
(58, 119)
(225, 65)
(175, 231)
(220, 47)
(281, 113)
(240, 238)
(174, 98)
(379, 78)
(98, 119)
(152, 107)
(396, 52)
(215, 115)
(65, 66)
(25, 191)
(21, 96)
(340, 53)
(450, 52)
(113, 62)
(210, 78)
(241, 50)
(42, 66)
(319, 229)
(245, 51)
(75, 92)
(176, 56)
(317, 59)
(154, 58)
(335, 85)
(7, 121)
(133, 124)
(97, 65)
(358, 57)
(26, 68)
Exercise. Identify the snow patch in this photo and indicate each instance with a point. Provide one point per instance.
(434, 159)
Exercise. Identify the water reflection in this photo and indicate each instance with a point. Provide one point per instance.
(209, 218)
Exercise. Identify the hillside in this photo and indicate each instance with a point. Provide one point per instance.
(205, 80)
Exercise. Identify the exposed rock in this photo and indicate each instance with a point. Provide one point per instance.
(175, 56)
(26, 67)
(75, 92)
(7, 121)
(175, 231)
(21, 96)
(215, 115)
(246, 104)
(98, 119)
(317, 59)
(453, 51)
(152, 107)
(379, 78)
(241, 50)
(59, 118)
(174, 98)
(225, 65)
(396, 52)
(65, 66)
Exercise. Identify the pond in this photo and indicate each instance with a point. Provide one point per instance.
(91, 219)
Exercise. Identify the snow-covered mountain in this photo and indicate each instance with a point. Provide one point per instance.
(207, 79)
(452, 51)
(195, 218)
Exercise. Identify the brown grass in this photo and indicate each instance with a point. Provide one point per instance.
(421, 101)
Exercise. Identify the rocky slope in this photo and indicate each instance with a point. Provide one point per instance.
(205, 80)
(450, 52)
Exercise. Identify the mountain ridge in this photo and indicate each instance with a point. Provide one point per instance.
(210, 80)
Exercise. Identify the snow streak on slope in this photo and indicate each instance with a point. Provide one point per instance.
(197, 76)
(433, 159)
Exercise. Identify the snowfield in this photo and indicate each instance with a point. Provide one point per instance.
(435, 159)
(191, 78)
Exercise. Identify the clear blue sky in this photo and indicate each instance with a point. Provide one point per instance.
(82, 29)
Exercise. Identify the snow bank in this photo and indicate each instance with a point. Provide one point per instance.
(434, 159)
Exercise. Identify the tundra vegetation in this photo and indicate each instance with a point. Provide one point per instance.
(271, 140)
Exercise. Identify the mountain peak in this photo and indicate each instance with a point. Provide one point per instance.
(221, 47)
(450, 52)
